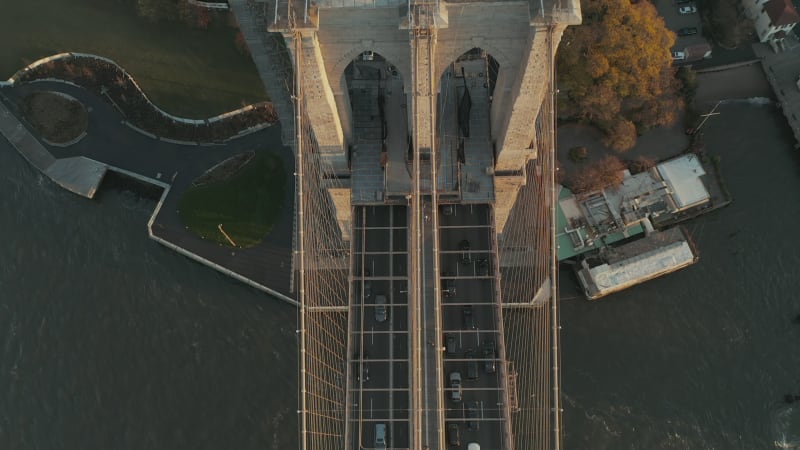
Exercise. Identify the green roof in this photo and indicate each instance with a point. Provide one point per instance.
(565, 248)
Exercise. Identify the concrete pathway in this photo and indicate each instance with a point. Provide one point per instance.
(110, 142)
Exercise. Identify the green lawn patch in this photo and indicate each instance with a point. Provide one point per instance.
(187, 72)
(246, 203)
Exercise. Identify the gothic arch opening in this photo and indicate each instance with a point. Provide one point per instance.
(378, 107)
(464, 117)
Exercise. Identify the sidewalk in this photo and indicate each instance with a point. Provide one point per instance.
(110, 145)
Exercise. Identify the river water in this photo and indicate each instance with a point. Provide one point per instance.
(110, 341)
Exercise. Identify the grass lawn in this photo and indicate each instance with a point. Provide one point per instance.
(187, 72)
(246, 204)
(57, 118)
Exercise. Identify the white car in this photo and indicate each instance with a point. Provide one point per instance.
(678, 56)
(687, 10)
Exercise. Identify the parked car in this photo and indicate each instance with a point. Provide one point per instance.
(678, 56)
(688, 9)
(465, 257)
(455, 385)
(447, 210)
(469, 320)
(687, 31)
(453, 438)
(473, 446)
(489, 365)
(381, 311)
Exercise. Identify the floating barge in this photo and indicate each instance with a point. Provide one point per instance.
(621, 236)
(622, 266)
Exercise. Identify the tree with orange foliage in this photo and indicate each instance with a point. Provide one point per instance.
(615, 70)
(601, 174)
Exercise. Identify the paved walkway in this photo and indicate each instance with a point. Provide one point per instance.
(110, 142)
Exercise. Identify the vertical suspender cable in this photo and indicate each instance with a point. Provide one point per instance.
(300, 231)
(553, 254)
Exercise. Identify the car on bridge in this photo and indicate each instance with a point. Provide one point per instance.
(453, 438)
(469, 320)
(472, 415)
(450, 343)
(483, 267)
(489, 365)
(448, 286)
(465, 256)
(381, 312)
(380, 436)
(472, 365)
(455, 385)
(367, 285)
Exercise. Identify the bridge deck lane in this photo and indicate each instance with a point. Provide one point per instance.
(481, 415)
(378, 385)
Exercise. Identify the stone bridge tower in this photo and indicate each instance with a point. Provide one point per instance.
(513, 35)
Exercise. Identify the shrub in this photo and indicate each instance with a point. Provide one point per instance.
(607, 172)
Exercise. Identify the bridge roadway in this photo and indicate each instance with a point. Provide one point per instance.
(379, 386)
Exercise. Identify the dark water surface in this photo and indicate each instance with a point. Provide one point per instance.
(110, 341)
(702, 358)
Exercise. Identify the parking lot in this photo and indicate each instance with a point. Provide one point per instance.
(687, 27)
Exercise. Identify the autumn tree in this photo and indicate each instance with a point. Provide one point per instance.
(615, 70)
(727, 22)
(601, 174)
(621, 136)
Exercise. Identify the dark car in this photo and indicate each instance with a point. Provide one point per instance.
(489, 365)
(453, 438)
(450, 343)
(472, 365)
(363, 374)
(448, 286)
(472, 415)
(469, 321)
(465, 256)
(447, 210)
(483, 267)
(367, 285)
(381, 311)
(687, 31)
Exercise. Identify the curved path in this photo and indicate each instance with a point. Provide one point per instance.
(110, 142)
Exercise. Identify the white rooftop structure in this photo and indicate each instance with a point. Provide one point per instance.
(657, 254)
(682, 175)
